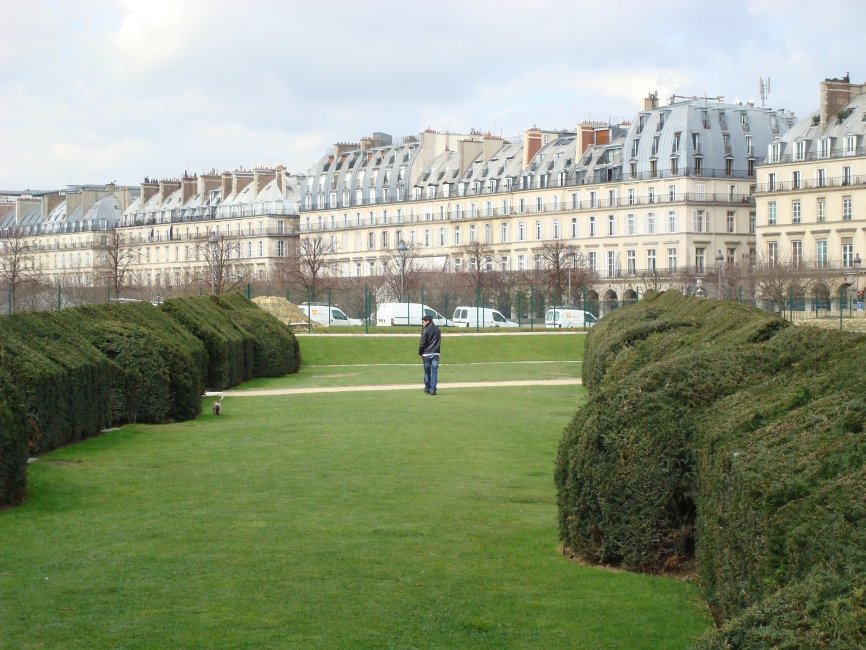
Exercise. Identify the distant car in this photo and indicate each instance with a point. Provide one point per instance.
(407, 313)
(558, 317)
(480, 317)
(327, 315)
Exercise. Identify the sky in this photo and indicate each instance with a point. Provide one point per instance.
(100, 91)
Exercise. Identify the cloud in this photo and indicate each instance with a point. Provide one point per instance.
(211, 83)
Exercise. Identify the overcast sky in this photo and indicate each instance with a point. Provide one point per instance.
(94, 91)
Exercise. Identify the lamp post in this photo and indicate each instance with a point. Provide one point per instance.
(401, 249)
(720, 259)
(857, 263)
(570, 269)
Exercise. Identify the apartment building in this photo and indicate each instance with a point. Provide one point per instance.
(59, 232)
(177, 226)
(668, 193)
(811, 192)
(166, 233)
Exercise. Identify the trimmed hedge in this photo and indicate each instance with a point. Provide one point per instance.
(163, 365)
(718, 432)
(229, 347)
(275, 348)
(64, 382)
(70, 374)
(13, 442)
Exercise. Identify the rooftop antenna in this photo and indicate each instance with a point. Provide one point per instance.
(764, 89)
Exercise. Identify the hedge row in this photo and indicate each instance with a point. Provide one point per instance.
(70, 374)
(716, 432)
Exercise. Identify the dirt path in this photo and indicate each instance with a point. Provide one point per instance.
(415, 386)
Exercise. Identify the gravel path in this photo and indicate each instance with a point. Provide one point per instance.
(415, 386)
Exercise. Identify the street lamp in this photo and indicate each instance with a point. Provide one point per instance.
(857, 263)
(720, 259)
(570, 268)
(401, 249)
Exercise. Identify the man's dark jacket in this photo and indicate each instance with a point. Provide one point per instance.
(431, 338)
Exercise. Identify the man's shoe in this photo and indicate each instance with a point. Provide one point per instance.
(426, 391)
(432, 392)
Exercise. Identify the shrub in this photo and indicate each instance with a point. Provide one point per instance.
(13, 442)
(275, 347)
(229, 348)
(718, 428)
(164, 366)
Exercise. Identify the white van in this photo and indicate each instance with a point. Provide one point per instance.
(327, 315)
(407, 313)
(480, 317)
(568, 317)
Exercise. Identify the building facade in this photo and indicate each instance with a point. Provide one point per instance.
(669, 193)
(165, 233)
(663, 200)
(811, 192)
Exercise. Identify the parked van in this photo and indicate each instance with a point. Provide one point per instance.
(568, 317)
(407, 313)
(327, 314)
(480, 317)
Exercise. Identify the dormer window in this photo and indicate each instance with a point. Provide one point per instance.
(800, 150)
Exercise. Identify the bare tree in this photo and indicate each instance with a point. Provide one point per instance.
(654, 280)
(314, 263)
(556, 261)
(223, 269)
(17, 262)
(400, 269)
(479, 266)
(115, 259)
(779, 279)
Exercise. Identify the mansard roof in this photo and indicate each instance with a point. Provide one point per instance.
(849, 121)
(703, 128)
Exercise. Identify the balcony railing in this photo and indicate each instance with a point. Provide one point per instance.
(811, 184)
(598, 205)
(840, 151)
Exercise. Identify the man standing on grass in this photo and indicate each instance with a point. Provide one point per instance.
(431, 338)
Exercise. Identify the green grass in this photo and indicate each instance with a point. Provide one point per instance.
(375, 520)
(457, 347)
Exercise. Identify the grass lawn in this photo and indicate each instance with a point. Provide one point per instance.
(370, 520)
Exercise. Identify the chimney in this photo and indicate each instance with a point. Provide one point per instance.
(51, 201)
(207, 183)
(492, 144)
(344, 147)
(467, 152)
(226, 185)
(651, 101)
(190, 189)
(531, 145)
(148, 189)
(281, 179)
(240, 180)
(24, 204)
(836, 94)
(167, 188)
(261, 177)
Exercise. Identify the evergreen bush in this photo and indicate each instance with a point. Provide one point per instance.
(229, 347)
(70, 374)
(717, 431)
(13, 442)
